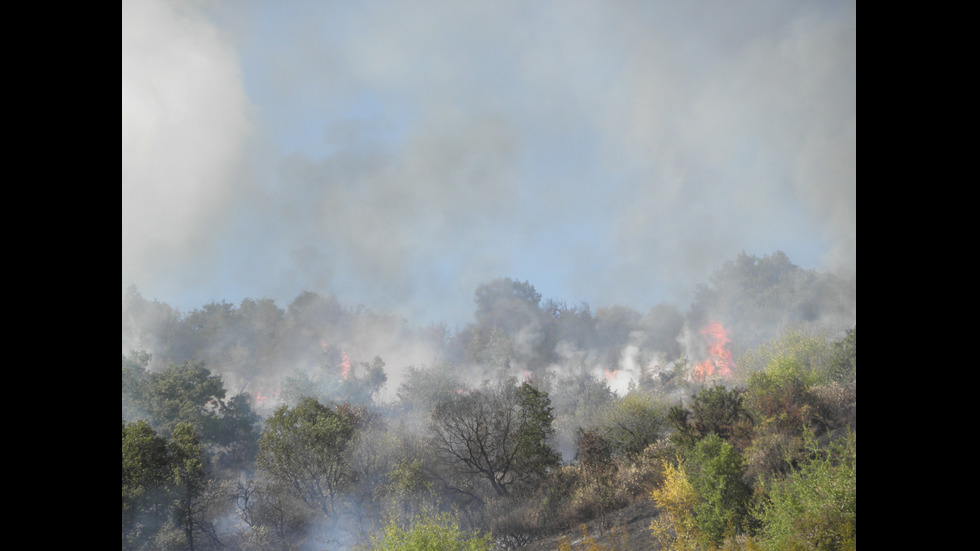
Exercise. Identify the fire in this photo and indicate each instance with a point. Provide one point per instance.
(263, 399)
(345, 365)
(610, 374)
(719, 362)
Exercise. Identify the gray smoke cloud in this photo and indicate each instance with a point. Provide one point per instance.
(399, 154)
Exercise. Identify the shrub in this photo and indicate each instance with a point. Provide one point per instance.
(816, 506)
(429, 532)
(675, 527)
(715, 469)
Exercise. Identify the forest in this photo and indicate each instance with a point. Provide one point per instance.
(323, 425)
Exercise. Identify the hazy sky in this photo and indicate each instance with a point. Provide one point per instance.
(399, 154)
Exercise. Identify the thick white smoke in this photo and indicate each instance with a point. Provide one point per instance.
(608, 152)
(184, 120)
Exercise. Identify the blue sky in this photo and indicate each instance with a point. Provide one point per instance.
(399, 154)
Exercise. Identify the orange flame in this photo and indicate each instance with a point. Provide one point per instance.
(719, 362)
(345, 365)
(610, 374)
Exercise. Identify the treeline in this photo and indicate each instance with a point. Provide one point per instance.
(511, 432)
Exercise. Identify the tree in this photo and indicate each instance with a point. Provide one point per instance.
(716, 410)
(504, 293)
(761, 296)
(339, 381)
(150, 325)
(781, 395)
(422, 388)
(169, 498)
(843, 362)
(188, 472)
(813, 352)
(235, 441)
(492, 349)
(512, 309)
(580, 400)
(633, 422)
(715, 469)
(275, 517)
(189, 393)
(307, 449)
(183, 393)
(815, 507)
(597, 468)
(675, 527)
(134, 380)
(535, 430)
(145, 484)
(576, 325)
(498, 434)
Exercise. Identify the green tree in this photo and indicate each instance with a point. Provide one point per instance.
(186, 393)
(634, 422)
(716, 469)
(715, 410)
(357, 385)
(422, 388)
(781, 395)
(812, 352)
(535, 431)
(496, 433)
(169, 499)
(189, 475)
(574, 325)
(189, 393)
(307, 450)
(145, 484)
(675, 527)
(234, 442)
(815, 507)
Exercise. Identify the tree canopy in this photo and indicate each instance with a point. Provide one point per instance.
(253, 427)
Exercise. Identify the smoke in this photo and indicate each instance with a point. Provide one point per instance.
(184, 119)
(398, 155)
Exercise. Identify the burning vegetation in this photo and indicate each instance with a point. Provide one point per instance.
(719, 361)
(522, 426)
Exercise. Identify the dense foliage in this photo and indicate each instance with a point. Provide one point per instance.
(250, 427)
(429, 532)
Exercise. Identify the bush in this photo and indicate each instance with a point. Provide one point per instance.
(633, 422)
(816, 506)
(429, 532)
(715, 469)
(676, 498)
(814, 354)
(715, 410)
(781, 394)
(643, 473)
